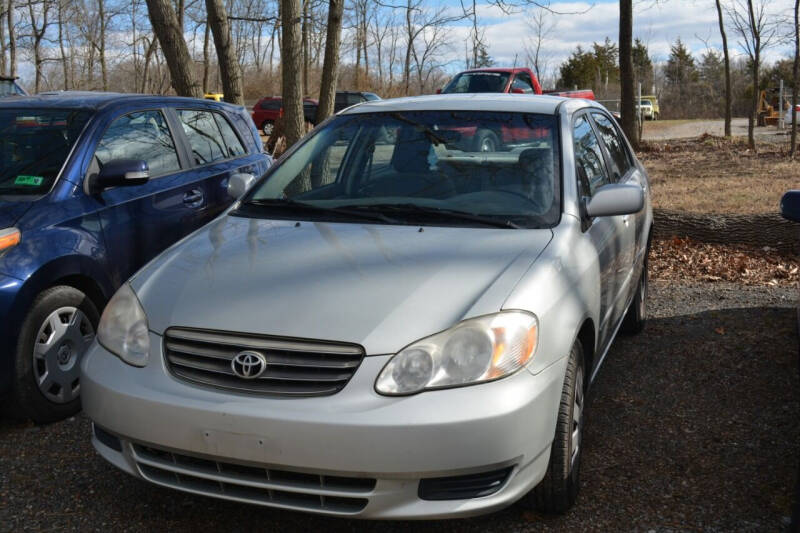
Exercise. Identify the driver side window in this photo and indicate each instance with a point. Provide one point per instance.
(589, 165)
(141, 135)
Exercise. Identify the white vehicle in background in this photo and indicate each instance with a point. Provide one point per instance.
(787, 118)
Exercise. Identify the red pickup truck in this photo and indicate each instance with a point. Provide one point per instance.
(504, 80)
(500, 80)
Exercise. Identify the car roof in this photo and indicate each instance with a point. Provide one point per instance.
(522, 103)
(92, 100)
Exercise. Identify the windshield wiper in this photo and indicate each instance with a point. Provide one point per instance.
(439, 212)
(303, 206)
(432, 135)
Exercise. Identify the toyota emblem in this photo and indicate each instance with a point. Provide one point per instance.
(248, 364)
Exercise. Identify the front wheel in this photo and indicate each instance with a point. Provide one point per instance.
(55, 335)
(557, 492)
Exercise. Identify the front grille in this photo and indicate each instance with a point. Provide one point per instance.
(251, 484)
(295, 367)
(463, 487)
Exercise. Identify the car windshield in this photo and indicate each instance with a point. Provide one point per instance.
(34, 144)
(428, 167)
(477, 82)
(646, 102)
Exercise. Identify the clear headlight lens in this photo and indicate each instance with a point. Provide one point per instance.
(475, 350)
(123, 328)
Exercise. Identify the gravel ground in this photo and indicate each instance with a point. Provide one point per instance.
(693, 425)
(661, 130)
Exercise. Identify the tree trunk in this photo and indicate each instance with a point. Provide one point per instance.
(728, 96)
(101, 11)
(12, 40)
(148, 56)
(3, 46)
(795, 75)
(291, 72)
(64, 59)
(330, 66)
(751, 139)
(226, 55)
(206, 57)
(166, 27)
(627, 99)
(306, 59)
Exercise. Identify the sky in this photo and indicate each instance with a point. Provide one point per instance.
(657, 23)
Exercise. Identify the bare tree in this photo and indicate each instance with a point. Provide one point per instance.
(330, 66)
(626, 74)
(542, 27)
(728, 92)
(291, 72)
(757, 31)
(795, 75)
(167, 29)
(228, 66)
(12, 39)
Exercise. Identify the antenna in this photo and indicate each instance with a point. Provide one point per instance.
(515, 60)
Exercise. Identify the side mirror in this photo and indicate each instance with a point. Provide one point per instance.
(238, 184)
(615, 199)
(790, 206)
(120, 173)
(517, 90)
(439, 91)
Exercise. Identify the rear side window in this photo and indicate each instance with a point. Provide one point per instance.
(522, 81)
(205, 139)
(620, 159)
(270, 104)
(589, 163)
(142, 135)
(232, 143)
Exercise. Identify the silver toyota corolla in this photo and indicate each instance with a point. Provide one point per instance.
(393, 322)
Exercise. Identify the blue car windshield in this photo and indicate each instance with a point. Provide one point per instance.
(497, 167)
(34, 145)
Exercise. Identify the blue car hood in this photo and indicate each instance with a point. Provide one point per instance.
(379, 286)
(12, 211)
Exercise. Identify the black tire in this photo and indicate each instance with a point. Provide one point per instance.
(26, 398)
(557, 492)
(486, 141)
(266, 127)
(636, 315)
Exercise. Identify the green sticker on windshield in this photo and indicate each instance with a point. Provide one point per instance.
(31, 181)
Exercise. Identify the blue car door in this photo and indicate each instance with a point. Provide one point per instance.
(140, 221)
(216, 151)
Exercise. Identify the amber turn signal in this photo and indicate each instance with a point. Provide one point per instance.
(9, 237)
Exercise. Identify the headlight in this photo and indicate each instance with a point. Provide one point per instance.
(475, 350)
(9, 237)
(123, 328)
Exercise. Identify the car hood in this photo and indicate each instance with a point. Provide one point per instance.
(379, 286)
(12, 211)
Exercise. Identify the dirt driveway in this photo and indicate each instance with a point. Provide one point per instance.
(682, 129)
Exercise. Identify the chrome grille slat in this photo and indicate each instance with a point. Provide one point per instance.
(265, 486)
(265, 387)
(265, 343)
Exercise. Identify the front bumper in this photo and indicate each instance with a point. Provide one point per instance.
(170, 432)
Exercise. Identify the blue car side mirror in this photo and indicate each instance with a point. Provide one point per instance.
(790, 205)
(120, 173)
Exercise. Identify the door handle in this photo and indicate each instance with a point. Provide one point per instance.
(193, 198)
(625, 219)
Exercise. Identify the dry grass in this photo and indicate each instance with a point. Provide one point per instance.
(716, 175)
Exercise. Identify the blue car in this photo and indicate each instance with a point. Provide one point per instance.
(92, 186)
